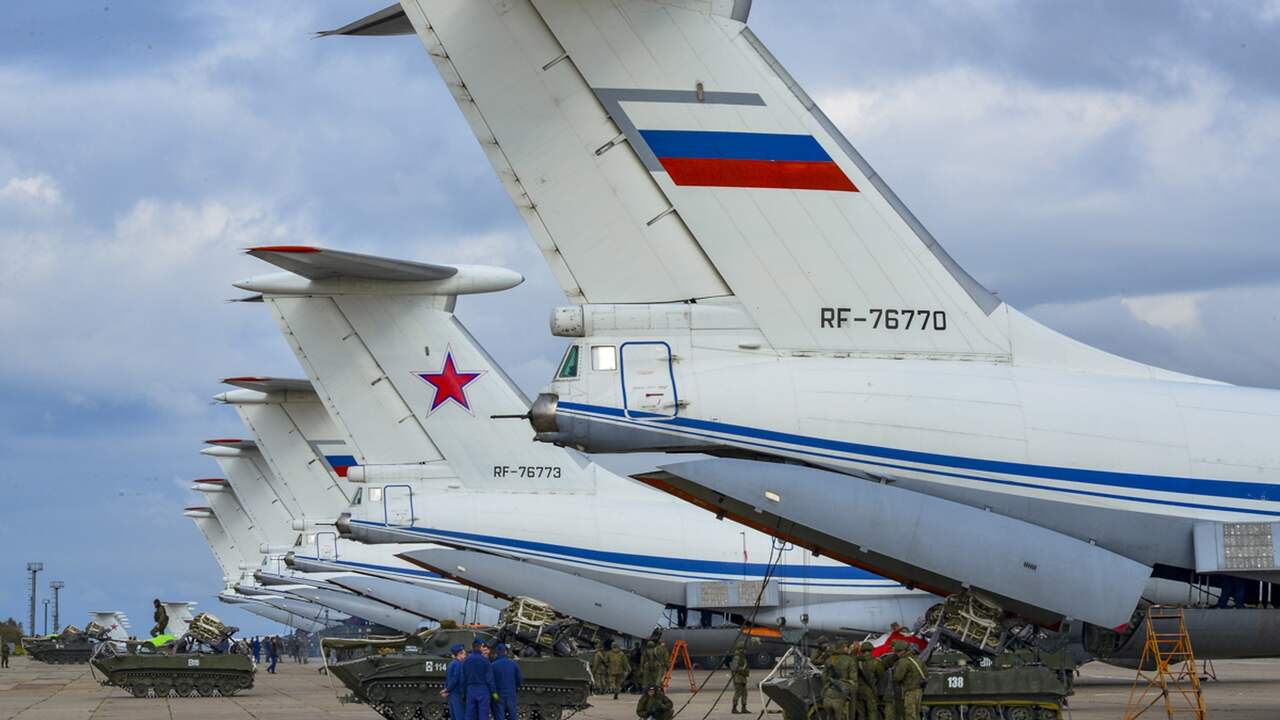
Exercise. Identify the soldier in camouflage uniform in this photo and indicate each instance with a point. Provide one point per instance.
(818, 656)
(161, 619)
(741, 672)
(890, 699)
(663, 656)
(651, 663)
(837, 693)
(600, 668)
(654, 705)
(845, 666)
(909, 675)
(619, 666)
(870, 676)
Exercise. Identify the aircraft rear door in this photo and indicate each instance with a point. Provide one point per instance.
(397, 505)
(648, 380)
(327, 545)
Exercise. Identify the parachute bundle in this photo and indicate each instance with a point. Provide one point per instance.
(969, 618)
(207, 628)
(527, 617)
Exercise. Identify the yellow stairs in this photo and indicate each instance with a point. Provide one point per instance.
(1176, 689)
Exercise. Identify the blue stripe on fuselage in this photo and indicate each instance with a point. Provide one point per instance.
(734, 146)
(651, 563)
(1191, 486)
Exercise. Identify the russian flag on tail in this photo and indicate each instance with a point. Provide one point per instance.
(746, 160)
(341, 463)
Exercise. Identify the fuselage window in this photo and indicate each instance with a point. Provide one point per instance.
(604, 357)
(569, 366)
(355, 499)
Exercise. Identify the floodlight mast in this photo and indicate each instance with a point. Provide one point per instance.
(56, 586)
(34, 568)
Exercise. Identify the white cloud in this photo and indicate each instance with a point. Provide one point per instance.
(134, 313)
(1060, 192)
(36, 190)
(1269, 11)
(1175, 312)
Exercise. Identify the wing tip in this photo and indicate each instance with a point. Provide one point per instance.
(291, 249)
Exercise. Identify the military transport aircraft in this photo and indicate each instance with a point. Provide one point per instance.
(413, 397)
(747, 287)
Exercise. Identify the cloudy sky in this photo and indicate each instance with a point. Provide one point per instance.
(1111, 168)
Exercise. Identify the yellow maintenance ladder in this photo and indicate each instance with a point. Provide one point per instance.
(1178, 690)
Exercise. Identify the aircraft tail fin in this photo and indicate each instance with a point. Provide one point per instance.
(407, 380)
(224, 550)
(269, 505)
(297, 439)
(658, 152)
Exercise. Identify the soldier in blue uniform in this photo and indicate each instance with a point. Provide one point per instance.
(507, 679)
(477, 677)
(454, 691)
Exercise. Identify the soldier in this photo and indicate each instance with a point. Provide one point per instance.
(600, 668)
(663, 658)
(818, 655)
(843, 665)
(645, 673)
(909, 675)
(454, 691)
(4, 653)
(273, 654)
(741, 672)
(870, 675)
(619, 666)
(161, 618)
(654, 705)
(477, 678)
(507, 679)
(836, 694)
(890, 699)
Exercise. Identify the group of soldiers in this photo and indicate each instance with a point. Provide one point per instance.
(856, 685)
(612, 669)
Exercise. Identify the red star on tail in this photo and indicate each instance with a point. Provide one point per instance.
(449, 384)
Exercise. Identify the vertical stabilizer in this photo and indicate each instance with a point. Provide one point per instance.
(405, 379)
(300, 444)
(659, 152)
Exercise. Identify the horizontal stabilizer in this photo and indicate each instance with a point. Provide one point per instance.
(363, 608)
(269, 384)
(275, 614)
(922, 541)
(319, 271)
(320, 264)
(416, 599)
(568, 593)
(232, 443)
(387, 21)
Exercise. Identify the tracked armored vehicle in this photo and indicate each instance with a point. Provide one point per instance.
(985, 665)
(204, 661)
(401, 677)
(981, 665)
(69, 647)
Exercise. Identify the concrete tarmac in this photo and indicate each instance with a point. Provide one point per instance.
(1246, 690)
